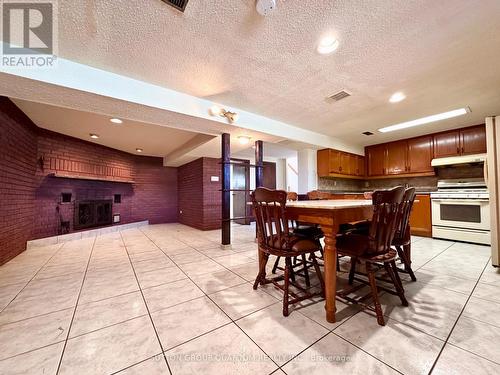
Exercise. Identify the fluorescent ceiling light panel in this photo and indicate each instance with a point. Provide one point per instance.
(425, 120)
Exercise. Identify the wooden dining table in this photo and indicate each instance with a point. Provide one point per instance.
(329, 214)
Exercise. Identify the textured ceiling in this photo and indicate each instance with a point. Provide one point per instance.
(154, 140)
(442, 54)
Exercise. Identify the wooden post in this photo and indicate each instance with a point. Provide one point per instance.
(259, 164)
(226, 190)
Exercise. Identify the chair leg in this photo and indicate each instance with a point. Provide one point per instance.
(318, 272)
(392, 270)
(376, 301)
(352, 271)
(276, 263)
(261, 276)
(306, 271)
(407, 254)
(291, 271)
(288, 266)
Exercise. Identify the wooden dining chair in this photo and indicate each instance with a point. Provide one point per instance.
(375, 246)
(276, 238)
(402, 237)
(301, 266)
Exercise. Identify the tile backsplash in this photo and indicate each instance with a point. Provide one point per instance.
(421, 183)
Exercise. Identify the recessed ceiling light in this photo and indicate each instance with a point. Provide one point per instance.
(243, 139)
(93, 136)
(327, 45)
(116, 121)
(138, 149)
(426, 120)
(397, 97)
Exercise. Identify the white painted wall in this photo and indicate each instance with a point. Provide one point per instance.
(292, 178)
(308, 177)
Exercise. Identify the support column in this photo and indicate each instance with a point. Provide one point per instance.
(226, 193)
(259, 164)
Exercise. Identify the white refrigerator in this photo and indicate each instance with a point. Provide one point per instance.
(492, 176)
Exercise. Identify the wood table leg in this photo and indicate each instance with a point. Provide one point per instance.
(330, 264)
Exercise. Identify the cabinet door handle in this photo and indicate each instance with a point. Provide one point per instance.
(458, 150)
(463, 150)
(340, 169)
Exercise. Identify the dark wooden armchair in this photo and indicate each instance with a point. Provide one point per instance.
(276, 238)
(375, 246)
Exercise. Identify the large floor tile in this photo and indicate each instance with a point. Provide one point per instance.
(431, 309)
(242, 300)
(152, 264)
(281, 337)
(34, 333)
(477, 337)
(166, 295)
(483, 310)
(490, 292)
(456, 284)
(42, 297)
(111, 349)
(227, 351)
(96, 289)
(152, 366)
(315, 310)
(401, 347)
(176, 325)
(455, 361)
(201, 267)
(8, 292)
(333, 355)
(41, 361)
(160, 276)
(95, 315)
(233, 260)
(216, 281)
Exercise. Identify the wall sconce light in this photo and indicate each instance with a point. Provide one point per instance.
(218, 111)
(243, 139)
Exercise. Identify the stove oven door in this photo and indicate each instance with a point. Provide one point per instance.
(461, 213)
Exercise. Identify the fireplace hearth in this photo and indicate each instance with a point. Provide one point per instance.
(93, 213)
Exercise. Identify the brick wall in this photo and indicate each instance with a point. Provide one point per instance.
(199, 197)
(30, 197)
(152, 196)
(18, 149)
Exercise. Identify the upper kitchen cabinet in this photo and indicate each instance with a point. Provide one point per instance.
(447, 144)
(331, 163)
(376, 160)
(473, 140)
(396, 156)
(420, 155)
(406, 157)
(460, 142)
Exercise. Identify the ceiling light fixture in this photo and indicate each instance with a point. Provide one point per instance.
(116, 121)
(138, 149)
(327, 45)
(397, 97)
(215, 110)
(243, 139)
(93, 136)
(426, 120)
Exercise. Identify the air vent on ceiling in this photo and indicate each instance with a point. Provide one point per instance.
(339, 96)
(177, 4)
(367, 133)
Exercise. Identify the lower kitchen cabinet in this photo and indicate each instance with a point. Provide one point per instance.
(420, 219)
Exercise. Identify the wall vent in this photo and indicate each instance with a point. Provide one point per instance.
(177, 4)
(367, 133)
(339, 96)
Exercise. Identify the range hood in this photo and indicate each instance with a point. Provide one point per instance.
(457, 160)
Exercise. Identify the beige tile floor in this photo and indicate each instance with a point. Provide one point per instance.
(166, 299)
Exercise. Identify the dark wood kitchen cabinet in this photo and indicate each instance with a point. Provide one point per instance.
(334, 163)
(465, 141)
(420, 155)
(473, 140)
(447, 144)
(376, 160)
(396, 155)
(420, 218)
